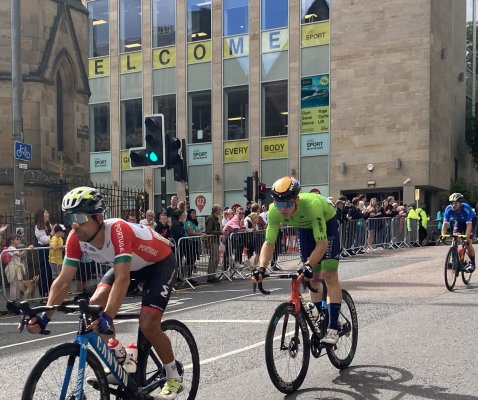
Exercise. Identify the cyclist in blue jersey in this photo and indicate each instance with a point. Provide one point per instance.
(464, 221)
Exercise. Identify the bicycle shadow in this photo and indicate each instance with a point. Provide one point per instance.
(368, 381)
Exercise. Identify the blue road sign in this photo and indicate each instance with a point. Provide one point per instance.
(22, 151)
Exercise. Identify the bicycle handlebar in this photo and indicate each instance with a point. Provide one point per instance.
(258, 272)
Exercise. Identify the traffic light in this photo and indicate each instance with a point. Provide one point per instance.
(137, 157)
(249, 188)
(173, 144)
(154, 137)
(261, 191)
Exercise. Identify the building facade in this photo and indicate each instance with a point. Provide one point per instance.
(348, 96)
(54, 50)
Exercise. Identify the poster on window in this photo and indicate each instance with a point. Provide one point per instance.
(314, 104)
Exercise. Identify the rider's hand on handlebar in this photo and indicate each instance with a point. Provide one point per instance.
(103, 324)
(258, 274)
(37, 324)
(306, 270)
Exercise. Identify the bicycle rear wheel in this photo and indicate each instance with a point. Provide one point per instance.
(342, 354)
(451, 268)
(186, 354)
(466, 276)
(287, 349)
(47, 377)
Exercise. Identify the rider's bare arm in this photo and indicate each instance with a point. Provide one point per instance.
(119, 288)
(267, 251)
(444, 228)
(318, 252)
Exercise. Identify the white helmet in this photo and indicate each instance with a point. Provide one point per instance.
(83, 199)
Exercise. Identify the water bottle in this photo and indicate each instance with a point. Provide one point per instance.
(120, 352)
(312, 310)
(461, 254)
(132, 351)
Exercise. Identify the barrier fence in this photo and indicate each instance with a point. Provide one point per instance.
(27, 274)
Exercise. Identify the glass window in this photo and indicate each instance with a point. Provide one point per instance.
(274, 108)
(164, 81)
(166, 105)
(200, 178)
(234, 175)
(199, 117)
(130, 25)
(275, 14)
(314, 10)
(132, 179)
(164, 23)
(100, 127)
(131, 123)
(131, 85)
(314, 170)
(199, 76)
(100, 90)
(236, 71)
(98, 28)
(199, 20)
(315, 60)
(236, 113)
(271, 170)
(275, 66)
(235, 17)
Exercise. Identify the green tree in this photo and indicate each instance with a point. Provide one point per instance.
(469, 191)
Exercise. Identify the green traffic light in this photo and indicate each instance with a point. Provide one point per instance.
(153, 157)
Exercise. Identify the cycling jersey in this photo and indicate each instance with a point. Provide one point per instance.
(313, 212)
(124, 242)
(466, 214)
(315, 220)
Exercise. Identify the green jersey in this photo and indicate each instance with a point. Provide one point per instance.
(313, 212)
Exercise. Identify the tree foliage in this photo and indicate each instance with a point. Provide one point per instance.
(471, 137)
(469, 191)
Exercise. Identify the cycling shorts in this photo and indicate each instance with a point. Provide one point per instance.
(158, 279)
(460, 227)
(307, 243)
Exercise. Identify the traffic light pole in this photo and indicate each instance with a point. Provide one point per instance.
(163, 189)
(17, 113)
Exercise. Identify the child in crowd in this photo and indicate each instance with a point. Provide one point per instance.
(56, 249)
(15, 270)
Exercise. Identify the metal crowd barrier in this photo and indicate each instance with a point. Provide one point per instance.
(34, 275)
(353, 236)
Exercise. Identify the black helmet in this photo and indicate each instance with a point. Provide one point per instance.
(455, 197)
(286, 188)
(83, 199)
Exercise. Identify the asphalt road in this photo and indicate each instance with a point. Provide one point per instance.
(416, 339)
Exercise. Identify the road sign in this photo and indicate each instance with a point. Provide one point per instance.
(417, 194)
(22, 166)
(22, 151)
(200, 202)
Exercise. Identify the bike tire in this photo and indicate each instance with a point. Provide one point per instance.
(186, 353)
(451, 268)
(277, 365)
(40, 385)
(342, 354)
(466, 276)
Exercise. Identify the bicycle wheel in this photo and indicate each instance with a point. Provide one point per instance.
(451, 268)
(466, 276)
(47, 377)
(287, 349)
(342, 354)
(186, 354)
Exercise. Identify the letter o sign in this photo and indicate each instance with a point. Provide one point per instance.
(199, 51)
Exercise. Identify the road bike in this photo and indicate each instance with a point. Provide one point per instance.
(288, 345)
(456, 260)
(76, 371)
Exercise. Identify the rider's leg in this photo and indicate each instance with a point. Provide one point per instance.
(334, 297)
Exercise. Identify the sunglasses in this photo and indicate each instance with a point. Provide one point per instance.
(239, 213)
(78, 218)
(284, 204)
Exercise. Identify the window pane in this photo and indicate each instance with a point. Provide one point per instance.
(131, 85)
(272, 170)
(98, 28)
(199, 112)
(164, 22)
(275, 14)
(199, 76)
(314, 170)
(235, 17)
(274, 109)
(199, 20)
(164, 81)
(315, 60)
(275, 66)
(166, 105)
(234, 175)
(236, 113)
(100, 127)
(314, 10)
(200, 178)
(100, 90)
(131, 123)
(236, 71)
(130, 25)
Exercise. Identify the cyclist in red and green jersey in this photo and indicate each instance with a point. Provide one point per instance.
(319, 242)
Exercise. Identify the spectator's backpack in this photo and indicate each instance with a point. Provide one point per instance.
(6, 256)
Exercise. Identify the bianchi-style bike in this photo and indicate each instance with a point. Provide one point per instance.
(63, 370)
(288, 343)
(457, 259)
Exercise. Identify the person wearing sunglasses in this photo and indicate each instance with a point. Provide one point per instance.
(133, 251)
(319, 242)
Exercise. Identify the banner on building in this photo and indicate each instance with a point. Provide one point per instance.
(100, 162)
(200, 154)
(315, 104)
(317, 144)
(237, 150)
(274, 147)
(315, 34)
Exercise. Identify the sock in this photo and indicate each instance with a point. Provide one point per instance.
(334, 311)
(172, 370)
(472, 260)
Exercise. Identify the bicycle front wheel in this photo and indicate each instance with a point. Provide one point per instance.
(57, 372)
(186, 354)
(287, 349)
(451, 268)
(342, 354)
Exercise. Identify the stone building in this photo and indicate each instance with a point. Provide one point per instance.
(55, 100)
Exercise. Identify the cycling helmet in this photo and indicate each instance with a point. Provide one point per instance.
(455, 197)
(286, 188)
(83, 199)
